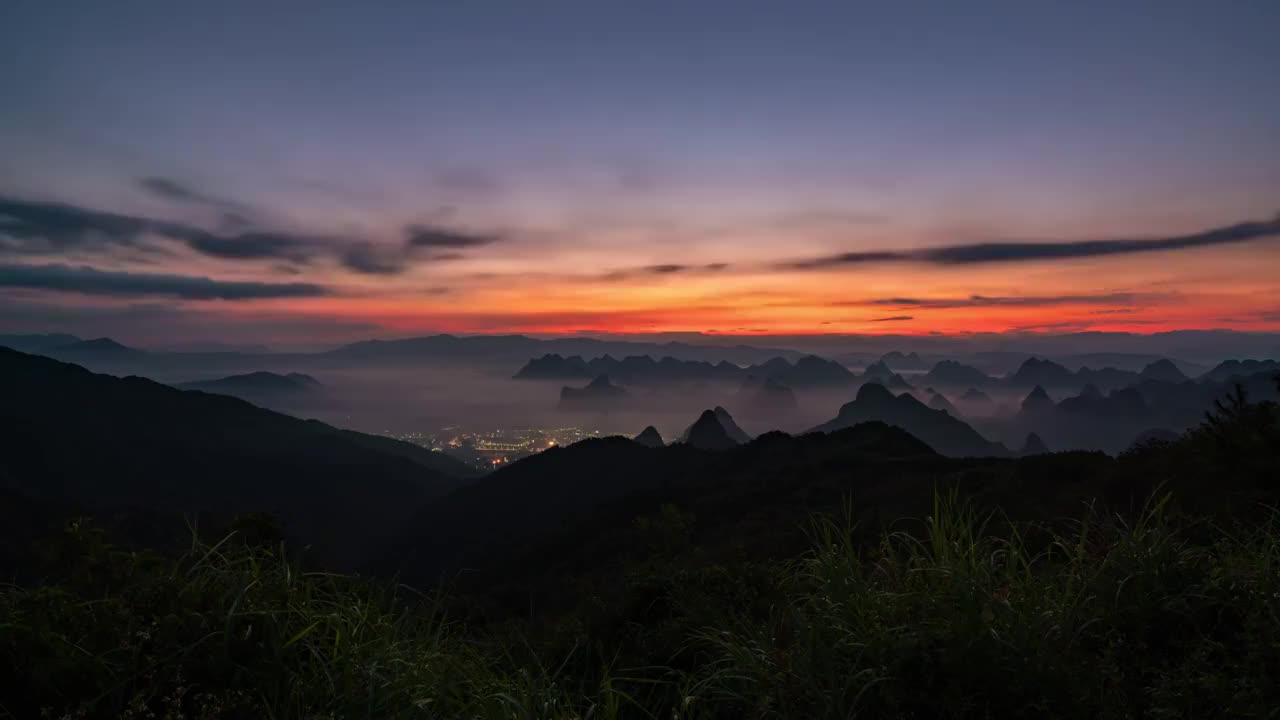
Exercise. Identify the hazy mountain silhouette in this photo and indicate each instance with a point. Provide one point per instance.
(1037, 401)
(1107, 377)
(938, 401)
(1033, 445)
(976, 397)
(707, 433)
(950, 372)
(726, 421)
(1035, 371)
(1124, 403)
(109, 442)
(649, 437)
(812, 371)
(599, 395)
(294, 391)
(1228, 369)
(543, 495)
(37, 343)
(554, 367)
(939, 430)
(1162, 371)
(504, 349)
(807, 371)
(898, 362)
(99, 350)
(878, 372)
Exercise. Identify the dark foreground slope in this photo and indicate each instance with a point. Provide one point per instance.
(68, 435)
(571, 509)
(692, 600)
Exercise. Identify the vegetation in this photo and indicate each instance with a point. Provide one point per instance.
(978, 607)
(1113, 620)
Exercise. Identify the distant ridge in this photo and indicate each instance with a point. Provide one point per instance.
(100, 441)
(938, 429)
(649, 437)
(707, 433)
(807, 371)
(37, 343)
(293, 391)
(598, 395)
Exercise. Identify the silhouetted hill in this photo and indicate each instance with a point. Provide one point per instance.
(706, 433)
(554, 367)
(1162, 371)
(1037, 401)
(108, 442)
(1107, 377)
(899, 362)
(1239, 368)
(730, 426)
(99, 350)
(813, 371)
(559, 498)
(880, 373)
(599, 395)
(1033, 445)
(649, 437)
(1035, 371)
(976, 397)
(1126, 403)
(294, 391)
(950, 372)
(939, 430)
(807, 371)
(503, 348)
(938, 401)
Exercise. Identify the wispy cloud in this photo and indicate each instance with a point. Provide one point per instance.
(1006, 252)
(88, 281)
(427, 236)
(662, 269)
(1008, 301)
(894, 318)
(38, 228)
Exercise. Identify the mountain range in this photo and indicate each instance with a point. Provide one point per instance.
(74, 436)
(808, 371)
(292, 391)
(938, 429)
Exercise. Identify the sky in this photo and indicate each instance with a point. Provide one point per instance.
(291, 173)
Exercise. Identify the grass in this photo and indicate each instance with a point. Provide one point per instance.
(954, 615)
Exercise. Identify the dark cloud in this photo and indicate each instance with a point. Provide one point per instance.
(427, 236)
(172, 190)
(39, 227)
(88, 281)
(894, 318)
(995, 252)
(662, 269)
(1012, 301)
(371, 260)
(47, 228)
(854, 258)
(251, 245)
